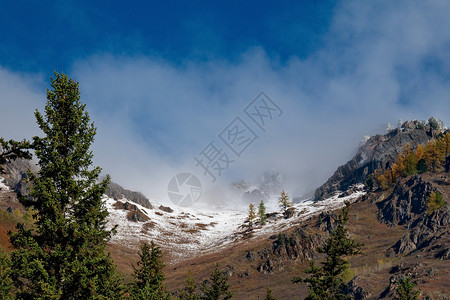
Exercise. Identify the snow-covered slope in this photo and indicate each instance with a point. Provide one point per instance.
(185, 232)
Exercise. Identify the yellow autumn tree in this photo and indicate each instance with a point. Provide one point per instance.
(433, 155)
(251, 214)
(284, 201)
(445, 144)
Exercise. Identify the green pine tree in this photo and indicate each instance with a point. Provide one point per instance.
(64, 257)
(405, 290)
(269, 295)
(326, 281)
(189, 291)
(6, 283)
(262, 213)
(149, 277)
(218, 288)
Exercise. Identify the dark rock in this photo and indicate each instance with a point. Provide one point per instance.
(165, 208)
(299, 245)
(444, 254)
(354, 291)
(267, 267)
(406, 205)
(117, 192)
(137, 216)
(327, 221)
(407, 200)
(251, 255)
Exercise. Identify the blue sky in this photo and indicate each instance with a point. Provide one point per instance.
(49, 35)
(163, 80)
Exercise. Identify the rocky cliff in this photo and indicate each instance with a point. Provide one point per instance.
(378, 151)
(15, 175)
(428, 231)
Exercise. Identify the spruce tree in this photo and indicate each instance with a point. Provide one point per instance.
(405, 290)
(149, 277)
(64, 256)
(189, 291)
(262, 213)
(326, 282)
(218, 288)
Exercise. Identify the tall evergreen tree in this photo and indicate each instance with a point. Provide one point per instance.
(218, 288)
(64, 257)
(262, 213)
(149, 277)
(326, 281)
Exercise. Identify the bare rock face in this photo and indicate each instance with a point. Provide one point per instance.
(134, 214)
(354, 291)
(299, 245)
(378, 151)
(407, 206)
(408, 200)
(165, 208)
(117, 192)
(429, 234)
(16, 175)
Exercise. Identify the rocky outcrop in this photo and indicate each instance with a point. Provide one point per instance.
(378, 151)
(165, 208)
(117, 192)
(134, 214)
(16, 175)
(327, 221)
(354, 291)
(407, 206)
(429, 234)
(407, 200)
(299, 245)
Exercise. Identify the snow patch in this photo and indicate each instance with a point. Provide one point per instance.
(3, 186)
(187, 231)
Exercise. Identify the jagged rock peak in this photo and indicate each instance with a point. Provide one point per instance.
(117, 192)
(379, 151)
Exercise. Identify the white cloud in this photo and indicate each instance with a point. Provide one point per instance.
(382, 61)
